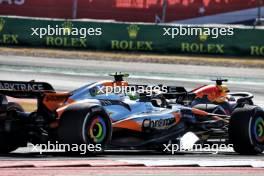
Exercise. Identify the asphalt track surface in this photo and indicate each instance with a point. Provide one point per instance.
(66, 74)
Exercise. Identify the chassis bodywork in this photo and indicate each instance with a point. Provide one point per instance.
(113, 120)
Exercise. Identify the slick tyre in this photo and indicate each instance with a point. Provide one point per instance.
(246, 130)
(87, 125)
(10, 141)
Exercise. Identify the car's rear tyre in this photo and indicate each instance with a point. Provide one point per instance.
(10, 141)
(81, 124)
(246, 130)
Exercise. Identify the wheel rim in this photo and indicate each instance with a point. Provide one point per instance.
(97, 129)
(259, 129)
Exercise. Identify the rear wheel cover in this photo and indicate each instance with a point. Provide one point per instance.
(97, 129)
(257, 130)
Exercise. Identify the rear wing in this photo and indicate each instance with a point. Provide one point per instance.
(22, 89)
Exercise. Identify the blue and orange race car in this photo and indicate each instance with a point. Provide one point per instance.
(89, 115)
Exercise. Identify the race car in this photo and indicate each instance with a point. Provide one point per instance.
(215, 98)
(89, 115)
(220, 95)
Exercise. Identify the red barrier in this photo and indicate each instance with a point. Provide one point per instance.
(123, 10)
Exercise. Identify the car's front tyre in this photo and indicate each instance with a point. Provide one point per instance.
(246, 130)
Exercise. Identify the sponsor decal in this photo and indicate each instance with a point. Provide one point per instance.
(21, 86)
(257, 50)
(201, 47)
(133, 31)
(67, 25)
(7, 38)
(203, 37)
(158, 124)
(66, 42)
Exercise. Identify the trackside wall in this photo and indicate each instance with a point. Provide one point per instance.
(246, 41)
